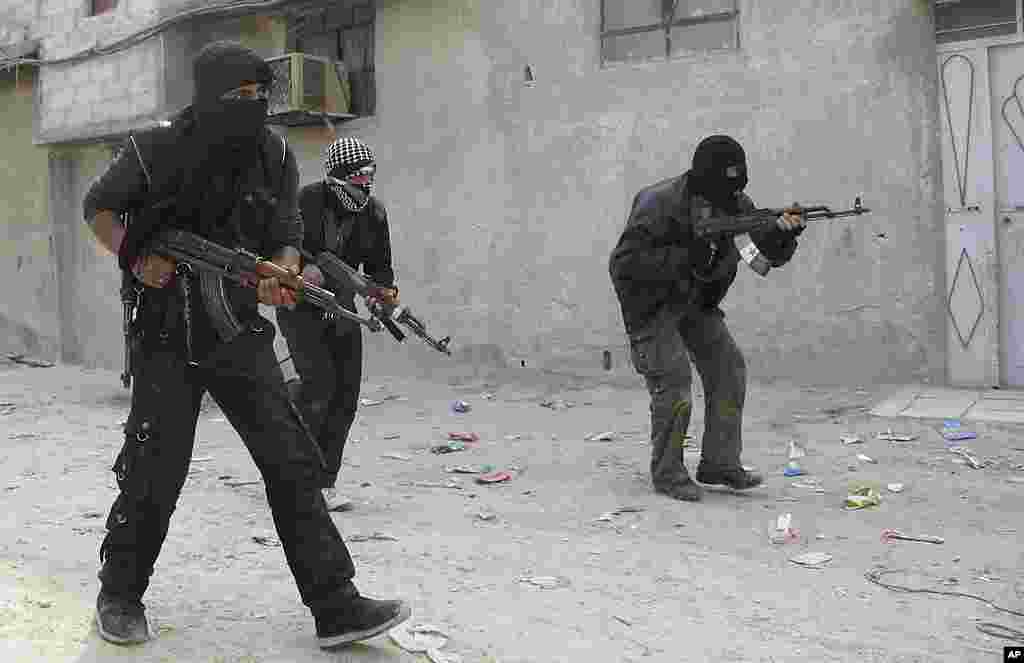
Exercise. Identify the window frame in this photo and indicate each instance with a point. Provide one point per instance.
(1015, 37)
(731, 15)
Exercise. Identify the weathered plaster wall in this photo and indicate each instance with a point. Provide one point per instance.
(506, 200)
(28, 308)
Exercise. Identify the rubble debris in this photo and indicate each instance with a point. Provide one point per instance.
(464, 437)
(494, 477)
(793, 469)
(890, 535)
(866, 459)
(27, 361)
(487, 396)
(239, 484)
(862, 497)
(266, 540)
(465, 469)
(609, 516)
(448, 447)
(895, 487)
(784, 531)
(890, 437)
(396, 456)
(607, 436)
(390, 436)
(485, 516)
(812, 559)
(513, 437)
(851, 439)
(556, 404)
(376, 536)
(545, 582)
(966, 455)
(796, 450)
(418, 639)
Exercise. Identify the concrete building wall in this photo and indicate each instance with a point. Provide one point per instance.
(506, 200)
(28, 309)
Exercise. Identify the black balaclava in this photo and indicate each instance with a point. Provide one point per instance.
(221, 67)
(719, 171)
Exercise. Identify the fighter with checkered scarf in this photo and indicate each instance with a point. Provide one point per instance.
(341, 215)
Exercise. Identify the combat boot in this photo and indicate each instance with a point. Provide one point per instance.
(736, 478)
(121, 621)
(360, 618)
(684, 490)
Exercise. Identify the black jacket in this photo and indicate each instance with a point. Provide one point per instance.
(659, 262)
(360, 239)
(264, 208)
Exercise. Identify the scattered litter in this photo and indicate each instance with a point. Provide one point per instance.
(812, 559)
(623, 620)
(464, 437)
(556, 404)
(35, 363)
(202, 459)
(22, 436)
(368, 402)
(796, 450)
(610, 515)
(451, 483)
(545, 582)
(513, 437)
(485, 516)
(890, 437)
(239, 484)
(866, 459)
(784, 532)
(852, 439)
(418, 639)
(448, 447)
(219, 420)
(464, 469)
(607, 436)
(966, 455)
(92, 514)
(959, 435)
(891, 535)
(1016, 480)
(461, 407)
(810, 485)
(494, 477)
(397, 456)
(488, 396)
(862, 497)
(438, 656)
(793, 469)
(895, 487)
(390, 436)
(266, 540)
(376, 536)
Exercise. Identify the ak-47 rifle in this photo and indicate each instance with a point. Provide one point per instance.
(343, 277)
(721, 227)
(216, 263)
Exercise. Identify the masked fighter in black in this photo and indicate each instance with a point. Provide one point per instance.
(669, 285)
(234, 183)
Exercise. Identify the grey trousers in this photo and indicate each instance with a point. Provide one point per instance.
(660, 354)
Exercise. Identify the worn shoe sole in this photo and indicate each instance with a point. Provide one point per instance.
(117, 640)
(333, 641)
(716, 481)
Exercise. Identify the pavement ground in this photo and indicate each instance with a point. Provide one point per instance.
(574, 559)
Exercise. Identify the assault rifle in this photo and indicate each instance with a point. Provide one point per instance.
(216, 263)
(721, 227)
(345, 277)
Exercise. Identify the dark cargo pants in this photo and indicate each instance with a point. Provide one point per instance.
(659, 353)
(245, 380)
(328, 356)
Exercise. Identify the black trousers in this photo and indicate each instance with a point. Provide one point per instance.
(661, 353)
(328, 356)
(246, 382)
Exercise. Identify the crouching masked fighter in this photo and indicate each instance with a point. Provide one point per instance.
(340, 215)
(234, 183)
(669, 285)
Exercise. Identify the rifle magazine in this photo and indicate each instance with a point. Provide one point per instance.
(215, 301)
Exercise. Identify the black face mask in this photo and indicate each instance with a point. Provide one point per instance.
(235, 123)
(719, 170)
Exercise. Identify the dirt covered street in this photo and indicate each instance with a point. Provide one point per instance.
(570, 558)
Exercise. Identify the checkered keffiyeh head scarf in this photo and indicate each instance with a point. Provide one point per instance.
(344, 157)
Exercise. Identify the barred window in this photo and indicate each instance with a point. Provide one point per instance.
(637, 30)
(960, 20)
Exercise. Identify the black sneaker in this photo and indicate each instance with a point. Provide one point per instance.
(361, 619)
(121, 621)
(736, 478)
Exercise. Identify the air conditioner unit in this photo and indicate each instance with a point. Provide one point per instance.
(308, 88)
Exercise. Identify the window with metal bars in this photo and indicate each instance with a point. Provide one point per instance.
(343, 31)
(963, 20)
(636, 30)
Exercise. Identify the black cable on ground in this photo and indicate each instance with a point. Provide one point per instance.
(988, 628)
